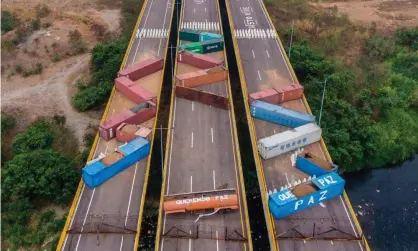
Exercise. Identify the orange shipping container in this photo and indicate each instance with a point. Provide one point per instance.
(127, 132)
(226, 199)
(201, 77)
(290, 92)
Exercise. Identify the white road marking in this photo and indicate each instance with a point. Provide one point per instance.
(107, 146)
(192, 105)
(304, 241)
(351, 223)
(75, 213)
(211, 132)
(332, 243)
(274, 130)
(275, 75)
(259, 76)
(121, 244)
(113, 111)
(191, 183)
(214, 182)
(268, 55)
(322, 205)
(165, 16)
(217, 241)
(253, 53)
(205, 9)
(192, 141)
(190, 242)
(287, 179)
(130, 195)
(85, 218)
(194, 10)
(145, 23)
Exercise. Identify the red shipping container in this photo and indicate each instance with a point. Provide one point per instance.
(269, 95)
(135, 92)
(142, 69)
(290, 92)
(199, 60)
(201, 77)
(136, 115)
(123, 84)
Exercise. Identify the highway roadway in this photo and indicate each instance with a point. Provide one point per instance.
(264, 66)
(202, 157)
(113, 209)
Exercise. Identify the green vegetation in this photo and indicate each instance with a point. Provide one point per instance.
(130, 11)
(75, 39)
(43, 172)
(8, 21)
(105, 63)
(370, 115)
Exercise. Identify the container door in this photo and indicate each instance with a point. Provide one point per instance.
(111, 133)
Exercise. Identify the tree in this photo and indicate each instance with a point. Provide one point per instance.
(7, 122)
(407, 37)
(40, 175)
(39, 135)
(406, 64)
(8, 21)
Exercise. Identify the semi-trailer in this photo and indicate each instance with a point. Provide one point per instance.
(292, 200)
(142, 69)
(136, 115)
(280, 115)
(289, 140)
(200, 61)
(277, 96)
(314, 165)
(224, 199)
(99, 171)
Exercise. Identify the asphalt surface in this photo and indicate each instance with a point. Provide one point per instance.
(113, 208)
(264, 66)
(202, 157)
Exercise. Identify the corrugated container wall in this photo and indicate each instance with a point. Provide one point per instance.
(192, 47)
(212, 46)
(190, 35)
(290, 92)
(207, 36)
(198, 60)
(289, 140)
(280, 115)
(285, 202)
(97, 173)
(314, 165)
(142, 69)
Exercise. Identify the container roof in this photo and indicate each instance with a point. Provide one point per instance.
(134, 145)
(94, 168)
(289, 134)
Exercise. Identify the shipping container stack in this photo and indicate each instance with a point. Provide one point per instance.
(126, 125)
(210, 69)
(323, 184)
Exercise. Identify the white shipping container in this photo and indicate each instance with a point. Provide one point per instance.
(289, 140)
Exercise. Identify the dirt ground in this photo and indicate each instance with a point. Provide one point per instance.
(388, 15)
(50, 92)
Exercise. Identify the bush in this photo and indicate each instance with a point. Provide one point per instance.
(35, 24)
(9, 21)
(7, 123)
(406, 64)
(75, 39)
(408, 38)
(379, 47)
(40, 174)
(42, 11)
(39, 135)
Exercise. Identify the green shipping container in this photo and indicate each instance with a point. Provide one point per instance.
(206, 36)
(212, 46)
(190, 35)
(193, 47)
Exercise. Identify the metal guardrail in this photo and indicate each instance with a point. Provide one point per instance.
(205, 232)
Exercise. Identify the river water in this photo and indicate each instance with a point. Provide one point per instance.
(386, 202)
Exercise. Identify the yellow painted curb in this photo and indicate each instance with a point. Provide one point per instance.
(168, 141)
(144, 189)
(236, 148)
(96, 140)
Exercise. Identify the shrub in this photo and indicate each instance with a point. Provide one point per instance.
(42, 10)
(39, 135)
(407, 38)
(8, 21)
(18, 68)
(7, 123)
(40, 174)
(76, 41)
(379, 47)
(35, 24)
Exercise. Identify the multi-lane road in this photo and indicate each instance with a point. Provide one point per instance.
(264, 65)
(107, 217)
(202, 156)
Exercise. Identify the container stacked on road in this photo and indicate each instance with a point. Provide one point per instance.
(324, 183)
(202, 42)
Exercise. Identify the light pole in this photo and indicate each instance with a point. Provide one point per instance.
(322, 101)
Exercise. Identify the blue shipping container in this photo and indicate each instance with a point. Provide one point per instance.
(280, 115)
(206, 36)
(285, 203)
(307, 165)
(97, 173)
